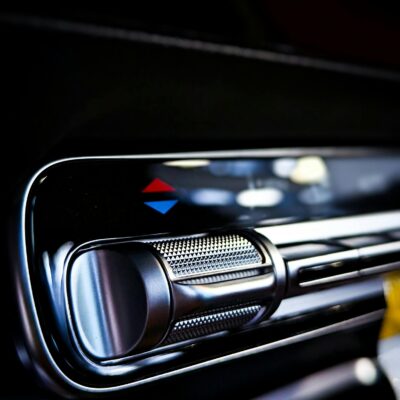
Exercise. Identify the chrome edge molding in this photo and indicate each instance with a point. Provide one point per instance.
(332, 228)
(34, 337)
(314, 301)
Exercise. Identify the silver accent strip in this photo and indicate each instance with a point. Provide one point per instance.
(106, 317)
(342, 258)
(380, 269)
(330, 279)
(197, 298)
(335, 296)
(30, 322)
(325, 259)
(332, 228)
(380, 249)
(343, 325)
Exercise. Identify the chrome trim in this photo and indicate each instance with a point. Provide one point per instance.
(325, 259)
(334, 260)
(187, 298)
(343, 325)
(379, 249)
(330, 279)
(380, 269)
(35, 342)
(341, 258)
(280, 273)
(332, 228)
(197, 298)
(107, 319)
(311, 302)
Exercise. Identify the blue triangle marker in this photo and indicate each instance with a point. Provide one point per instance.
(161, 206)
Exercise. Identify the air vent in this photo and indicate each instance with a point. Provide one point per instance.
(314, 265)
(121, 294)
(174, 290)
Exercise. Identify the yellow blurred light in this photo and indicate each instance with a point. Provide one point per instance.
(391, 322)
(309, 170)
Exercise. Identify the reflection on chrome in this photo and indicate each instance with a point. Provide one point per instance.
(92, 299)
(54, 269)
(237, 168)
(262, 197)
(315, 195)
(373, 183)
(160, 358)
(187, 163)
(283, 167)
(212, 197)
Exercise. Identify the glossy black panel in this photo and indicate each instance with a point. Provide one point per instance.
(76, 201)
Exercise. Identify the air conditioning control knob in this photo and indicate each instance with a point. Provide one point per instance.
(125, 298)
(120, 301)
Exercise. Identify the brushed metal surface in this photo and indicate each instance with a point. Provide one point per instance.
(118, 303)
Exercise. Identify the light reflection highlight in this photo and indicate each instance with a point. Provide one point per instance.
(366, 371)
(262, 197)
(283, 167)
(187, 163)
(315, 195)
(309, 170)
(212, 197)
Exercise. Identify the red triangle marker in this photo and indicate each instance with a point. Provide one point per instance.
(157, 186)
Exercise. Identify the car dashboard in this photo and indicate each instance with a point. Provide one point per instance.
(199, 218)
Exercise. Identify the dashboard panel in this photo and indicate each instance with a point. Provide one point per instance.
(148, 251)
(139, 268)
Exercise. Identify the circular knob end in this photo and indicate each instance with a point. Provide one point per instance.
(120, 302)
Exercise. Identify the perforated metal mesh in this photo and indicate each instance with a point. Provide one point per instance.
(207, 324)
(190, 256)
(228, 276)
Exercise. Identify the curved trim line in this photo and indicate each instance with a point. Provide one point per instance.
(332, 228)
(91, 29)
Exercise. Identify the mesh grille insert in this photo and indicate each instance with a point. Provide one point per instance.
(229, 276)
(190, 256)
(207, 324)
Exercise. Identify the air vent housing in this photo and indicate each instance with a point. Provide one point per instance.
(317, 265)
(117, 290)
(125, 298)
